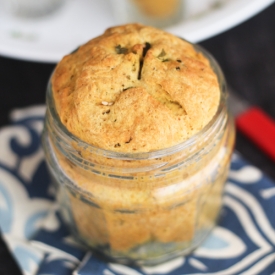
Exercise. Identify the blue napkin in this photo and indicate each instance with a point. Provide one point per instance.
(243, 242)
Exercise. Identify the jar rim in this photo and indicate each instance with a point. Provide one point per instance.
(155, 153)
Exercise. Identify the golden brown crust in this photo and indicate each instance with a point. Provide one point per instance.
(135, 89)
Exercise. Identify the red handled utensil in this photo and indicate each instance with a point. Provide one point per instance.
(254, 123)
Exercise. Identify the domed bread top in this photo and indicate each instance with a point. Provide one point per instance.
(135, 89)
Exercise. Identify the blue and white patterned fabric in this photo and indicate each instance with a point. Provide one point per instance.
(242, 243)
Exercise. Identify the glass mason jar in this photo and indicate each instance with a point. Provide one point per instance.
(141, 208)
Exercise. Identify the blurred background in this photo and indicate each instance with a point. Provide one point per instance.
(239, 34)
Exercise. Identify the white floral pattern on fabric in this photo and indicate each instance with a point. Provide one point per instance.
(29, 220)
(243, 242)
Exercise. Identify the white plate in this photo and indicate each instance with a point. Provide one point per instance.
(48, 39)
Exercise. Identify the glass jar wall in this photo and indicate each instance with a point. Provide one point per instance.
(141, 207)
